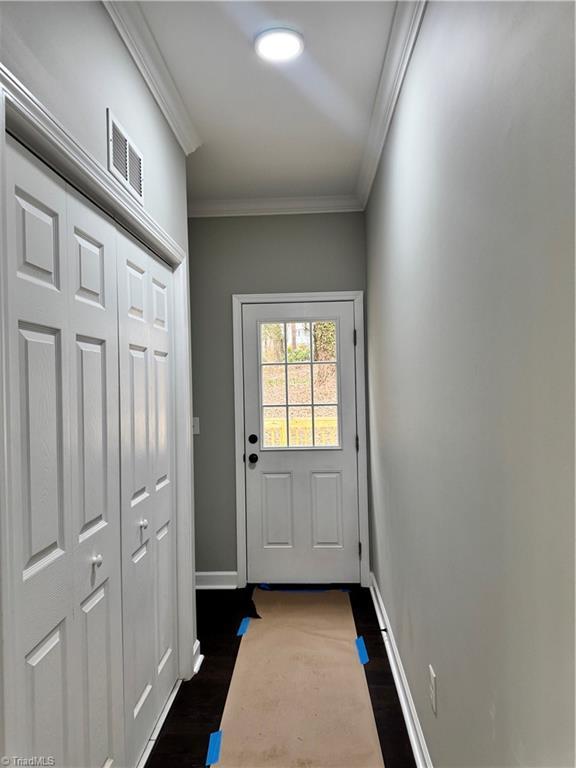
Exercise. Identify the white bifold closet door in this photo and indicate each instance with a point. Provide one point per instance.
(148, 525)
(62, 642)
(89, 643)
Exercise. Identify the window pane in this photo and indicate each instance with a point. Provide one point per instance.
(272, 342)
(299, 384)
(298, 342)
(273, 385)
(324, 341)
(326, 426)
(275, 433)
(325, 383)
(300, 420)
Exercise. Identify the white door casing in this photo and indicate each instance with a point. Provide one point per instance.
(302, 504)
(148, 526)
(62, 653)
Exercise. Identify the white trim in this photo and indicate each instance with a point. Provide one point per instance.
(133, 28)
(38, 129)
(361, 431)
(238, 352)
(24, 116)
(269, 298)
(216, 579)
(165, 710)
(146, 754)
(158, 727)
(273, 206)
(198, 657)
(403, 35)
(415, 733)
(185, 545)
(167, 707)
(6, 554)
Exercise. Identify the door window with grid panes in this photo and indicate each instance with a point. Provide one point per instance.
(299, 392)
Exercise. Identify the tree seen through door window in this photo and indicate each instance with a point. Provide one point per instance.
(299, 384)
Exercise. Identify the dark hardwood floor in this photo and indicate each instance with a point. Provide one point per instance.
(198, 707)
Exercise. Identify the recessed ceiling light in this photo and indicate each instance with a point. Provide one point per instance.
(279, 45)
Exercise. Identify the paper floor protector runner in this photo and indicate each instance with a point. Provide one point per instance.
(298, 696)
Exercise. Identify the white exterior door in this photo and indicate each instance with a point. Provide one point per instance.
(61, 581)
(148, 523)
(300, 442)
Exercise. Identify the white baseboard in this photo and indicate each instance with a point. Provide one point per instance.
(415, 733)
(216, 579)
(159, 723)
(198, 658)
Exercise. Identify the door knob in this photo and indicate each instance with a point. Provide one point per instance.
(143, 524)
(253, 439)
(253, 458)
(97, 560)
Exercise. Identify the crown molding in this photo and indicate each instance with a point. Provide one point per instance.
(271, 206)
(133, 28)
(403, 35)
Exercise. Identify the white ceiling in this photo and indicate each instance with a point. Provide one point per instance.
(272, 132)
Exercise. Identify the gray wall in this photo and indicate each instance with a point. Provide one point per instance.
(262, 254)
(470, 235)
(73, 60)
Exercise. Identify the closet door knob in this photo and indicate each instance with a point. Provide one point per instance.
(143, 524)
(97, 560)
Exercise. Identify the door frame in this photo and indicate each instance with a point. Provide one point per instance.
(238, 301)
(29, 121)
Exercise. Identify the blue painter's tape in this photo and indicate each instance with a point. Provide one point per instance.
(243, 628)
(214, 744)
(362, 652)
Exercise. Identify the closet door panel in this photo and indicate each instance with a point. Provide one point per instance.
(138, 540)
(38, 664)
(149, 556)
(91, 264)
(162, 420)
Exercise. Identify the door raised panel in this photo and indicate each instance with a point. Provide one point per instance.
(46, 693)
(162, 417)
(136, 290)
(139, 392)
(327, 509)
(99, 692)
(41, 420)
(37, 241)
(164, 594)
(89, 258)
(141, 645)
(160, 309)
(92, 434)
(277, 510)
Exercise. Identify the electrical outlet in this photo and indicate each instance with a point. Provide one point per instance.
(432, 687)
(195, 425)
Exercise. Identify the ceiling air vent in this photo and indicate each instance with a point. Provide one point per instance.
(124, 159)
